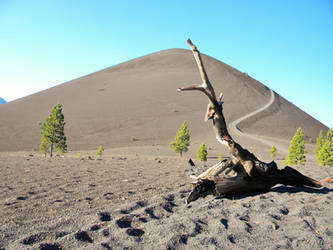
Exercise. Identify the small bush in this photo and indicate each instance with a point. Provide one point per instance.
(202, 153)
(273, 151)
(220, 156)
(100, 151)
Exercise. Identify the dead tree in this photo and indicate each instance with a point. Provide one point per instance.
(252, 175)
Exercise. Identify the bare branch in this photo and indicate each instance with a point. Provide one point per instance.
(192, 87)
(197, 57)
(205, 87)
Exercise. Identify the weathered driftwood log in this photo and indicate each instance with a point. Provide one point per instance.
(252, 175)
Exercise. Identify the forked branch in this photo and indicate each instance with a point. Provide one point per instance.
(205, 86)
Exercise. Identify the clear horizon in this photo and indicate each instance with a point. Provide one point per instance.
(286, 45)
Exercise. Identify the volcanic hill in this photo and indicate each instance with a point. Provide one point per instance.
(139, 99)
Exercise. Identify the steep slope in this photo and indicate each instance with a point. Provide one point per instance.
(286, 119)
(139, 98)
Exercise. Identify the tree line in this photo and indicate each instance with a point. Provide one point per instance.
(296, 151)
(53, 139)
(323, 151)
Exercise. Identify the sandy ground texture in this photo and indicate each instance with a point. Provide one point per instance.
(135, 201)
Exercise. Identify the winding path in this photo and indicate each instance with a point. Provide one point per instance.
(235, 129)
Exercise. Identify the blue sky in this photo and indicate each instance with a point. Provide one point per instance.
(286, 45)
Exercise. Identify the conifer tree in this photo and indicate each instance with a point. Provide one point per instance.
(296, 151)
(273, 151)
(319, 143)
(52, 133)
(325, 154)
(202, 153)
(182, 140)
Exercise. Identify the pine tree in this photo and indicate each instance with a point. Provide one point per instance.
(202, 153)
(325, 154)
(182, 140)
(100, 151)
(296, 151)
(273, 151)
(319, 143)
(52, 132)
